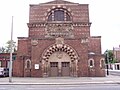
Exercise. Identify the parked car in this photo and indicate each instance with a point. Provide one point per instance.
(4, 72)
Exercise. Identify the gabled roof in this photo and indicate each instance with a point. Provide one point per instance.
(59, 2)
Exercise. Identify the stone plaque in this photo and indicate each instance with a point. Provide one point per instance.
(34, 42)
(59, 40)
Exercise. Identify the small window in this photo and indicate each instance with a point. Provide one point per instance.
(102, 63)
(91, 63)
(53, 64)
(28, 64)
(65, 64)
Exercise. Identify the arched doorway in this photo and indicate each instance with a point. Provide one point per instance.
(59, 64)
(59, 60)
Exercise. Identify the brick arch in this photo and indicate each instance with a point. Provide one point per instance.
(60, 47)
(68, 10)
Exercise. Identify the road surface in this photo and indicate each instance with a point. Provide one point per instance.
(62, 87)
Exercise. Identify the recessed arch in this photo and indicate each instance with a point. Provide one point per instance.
(28, 64)
(60, 47)
(91, 62)
(102, 63)
(60, 58)
(58, 14)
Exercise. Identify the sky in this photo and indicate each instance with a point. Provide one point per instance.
(104, 15)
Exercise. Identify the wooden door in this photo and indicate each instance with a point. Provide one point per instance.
(53, 69)
(65, 68)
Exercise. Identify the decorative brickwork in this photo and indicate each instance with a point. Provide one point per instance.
(59, 43)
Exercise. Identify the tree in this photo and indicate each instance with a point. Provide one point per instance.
(110, 56)
(8, 47)
(2, 50)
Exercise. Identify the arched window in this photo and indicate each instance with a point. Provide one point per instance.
(91, 63)
(58, 15)
(102, 63)
(28, 64)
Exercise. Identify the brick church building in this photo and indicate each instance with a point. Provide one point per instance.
(59, 43)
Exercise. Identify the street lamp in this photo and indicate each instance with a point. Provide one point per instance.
(11, 44)
(107, 61)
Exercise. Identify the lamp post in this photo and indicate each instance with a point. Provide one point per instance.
(107, 62)
(11, 45)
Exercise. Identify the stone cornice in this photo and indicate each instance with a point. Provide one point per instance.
(43, 24)
(95, 36)
(82, 24)
(36, 25)
(22, 38)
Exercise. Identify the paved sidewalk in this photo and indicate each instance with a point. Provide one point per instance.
(61, 80)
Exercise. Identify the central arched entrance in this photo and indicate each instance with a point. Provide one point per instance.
(59, 64)
(59, 60)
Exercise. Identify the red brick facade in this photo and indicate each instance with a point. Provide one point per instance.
(59, 43)
(116, 52)
(5, 59)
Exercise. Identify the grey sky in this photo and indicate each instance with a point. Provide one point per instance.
(104, 15)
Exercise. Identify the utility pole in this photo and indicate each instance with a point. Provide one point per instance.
(107, 62)
(11, 45)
